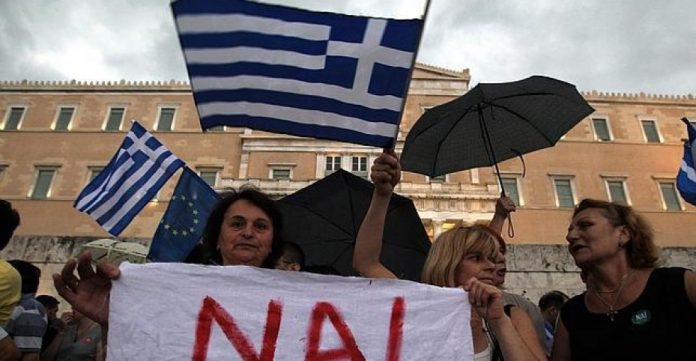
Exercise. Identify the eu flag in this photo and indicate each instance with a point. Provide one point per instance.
(182, 224)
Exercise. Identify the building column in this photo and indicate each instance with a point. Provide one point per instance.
(437, 228)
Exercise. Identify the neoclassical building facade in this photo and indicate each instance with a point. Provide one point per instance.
(56, 136)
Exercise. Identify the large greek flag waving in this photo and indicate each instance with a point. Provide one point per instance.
(131, 179)
(686, 178)
(292, 71)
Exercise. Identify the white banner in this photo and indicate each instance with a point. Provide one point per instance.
(171, 311)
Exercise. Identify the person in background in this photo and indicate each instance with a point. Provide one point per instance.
(503, 207)
(292, 258)
(10, 281)
(27, 324)
(79, 339)
(550, 304)
(8, 349)
(50, 303)
(631, 310)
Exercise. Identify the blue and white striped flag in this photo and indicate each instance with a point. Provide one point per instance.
(686, 178)
(292, 71)
(131, 179)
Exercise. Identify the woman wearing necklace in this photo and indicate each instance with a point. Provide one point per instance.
(631, 309)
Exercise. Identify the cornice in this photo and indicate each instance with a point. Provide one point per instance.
(94, 86)
(599, 96)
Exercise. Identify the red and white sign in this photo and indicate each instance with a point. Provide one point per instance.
(167, 311)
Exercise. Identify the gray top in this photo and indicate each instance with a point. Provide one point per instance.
(532, 310)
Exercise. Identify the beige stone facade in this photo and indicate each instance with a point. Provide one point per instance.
(639, 158)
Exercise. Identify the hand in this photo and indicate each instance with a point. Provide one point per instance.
(485, 299)
(504, 206)
(386, 172)
(65, 319)
(90, 293)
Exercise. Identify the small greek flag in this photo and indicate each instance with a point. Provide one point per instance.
(131, 179)
(292, 71)
(686, 178)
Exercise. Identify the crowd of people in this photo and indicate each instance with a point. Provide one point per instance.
(631, 308)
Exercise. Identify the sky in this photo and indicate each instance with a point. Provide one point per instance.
(605, 45)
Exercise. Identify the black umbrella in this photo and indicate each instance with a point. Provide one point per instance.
(324, 217)
(491, 123)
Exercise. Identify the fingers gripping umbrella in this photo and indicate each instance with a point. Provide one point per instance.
(491, 123)
(324, 218)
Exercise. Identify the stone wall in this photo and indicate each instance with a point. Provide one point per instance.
(532, 269)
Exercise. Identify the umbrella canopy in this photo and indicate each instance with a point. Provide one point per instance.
(324, 218)
(491, 123)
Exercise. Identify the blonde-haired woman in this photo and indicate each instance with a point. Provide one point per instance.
(461, 257)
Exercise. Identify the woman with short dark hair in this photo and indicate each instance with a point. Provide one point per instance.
(242, 229)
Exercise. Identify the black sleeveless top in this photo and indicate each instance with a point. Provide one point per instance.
(659, 325)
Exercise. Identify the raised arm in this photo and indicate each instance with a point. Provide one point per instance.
(385, 174)
(503, 207)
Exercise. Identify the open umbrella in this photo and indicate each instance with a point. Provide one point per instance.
(491, 123)
(324, 218)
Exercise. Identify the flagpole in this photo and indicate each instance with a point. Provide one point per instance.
(410, 73)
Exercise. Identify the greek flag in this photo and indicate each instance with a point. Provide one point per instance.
(131, 179)
(686, 178)
(292, 71)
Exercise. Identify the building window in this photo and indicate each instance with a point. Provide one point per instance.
(564, 193)
(511, 189)
(359, 167)
(14, 118)
(601, 129)
(438, 179)
(114, 119)
(210, 176)
(425, 108)
(280, 173)
(216, 129)
(650, 131)
(42, 187)
(670, 199)
(333, 163)
(165, 120)
(617, 191)
(94, 172)
(65, 115)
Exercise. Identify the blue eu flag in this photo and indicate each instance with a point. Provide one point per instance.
(182, 224)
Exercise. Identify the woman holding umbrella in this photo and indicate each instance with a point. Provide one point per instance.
(631, 310)
(461, 257)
